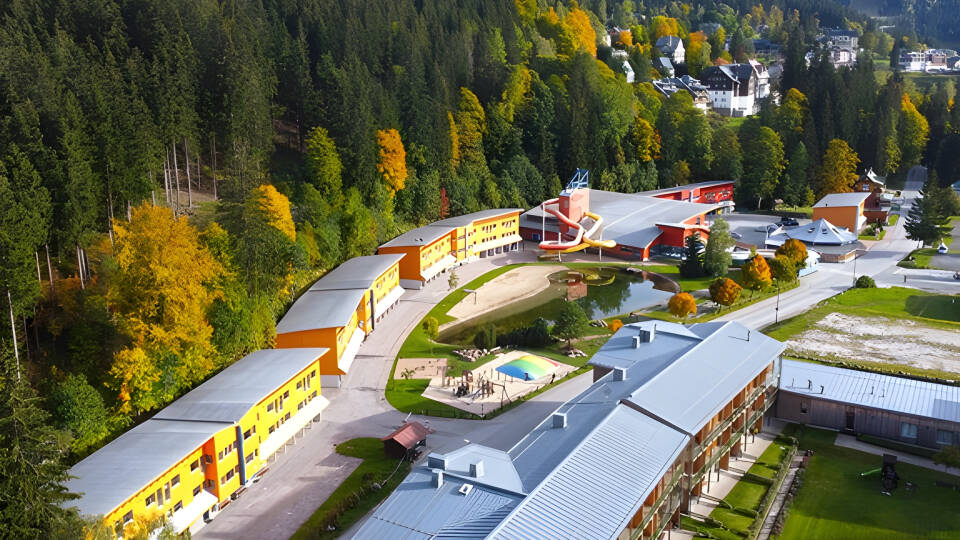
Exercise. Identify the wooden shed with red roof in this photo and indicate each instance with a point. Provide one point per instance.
(408, 437)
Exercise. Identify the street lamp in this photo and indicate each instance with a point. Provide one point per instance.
(776, 312)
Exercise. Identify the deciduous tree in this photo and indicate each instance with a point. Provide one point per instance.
(682, 305)
(838, 170)
(756, 273)
(393, 159)
(783, 269)
(795, 250)
(725, 291)
(571, 322)
(716, 258)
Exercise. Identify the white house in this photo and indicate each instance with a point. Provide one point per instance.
(735, 89)
(672, 48)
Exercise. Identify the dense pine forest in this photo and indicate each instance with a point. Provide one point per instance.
(173, 172)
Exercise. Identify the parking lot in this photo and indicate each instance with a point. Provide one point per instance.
(746, 226)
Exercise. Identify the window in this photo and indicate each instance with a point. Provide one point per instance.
(270, 429)
(195, 465)
(269, 407)
(299, 384)
(175, 481)
(128, 517)
(300, 405)
(220, 455)
(804, 405)
(166, 489)
(178, 506)
(908, 430)
(149, 500)
(944, 437)
(286, 394)
(249, 458)
(197, 490)
(287, 417)
(246, 434)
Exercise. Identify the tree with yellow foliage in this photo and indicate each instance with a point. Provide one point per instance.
(838, 170)
(661, 26)
(756, 273)
(645, 139)
(682, 305)
(795, 250)
(913, 131)
(625, 38)
(393, 159)
(616, 325)
(160, 290)
(275, 207)
(584, 35)
(725, 291)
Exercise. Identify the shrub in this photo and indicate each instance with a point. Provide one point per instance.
(535, 335)
(865, 282)
(486, 337)
(431, 327)
(615, 325)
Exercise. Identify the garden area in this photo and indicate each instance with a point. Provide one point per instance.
(894, 330)
(835, 501)
(369, 484)
(741, 513)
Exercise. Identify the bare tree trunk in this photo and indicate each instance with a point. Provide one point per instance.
(199, 152)
(53, 292)
(110, 212)
(166, 176)
(80, 268)
(13, 328)
(186, 165)
(176, 175)
(36, 254)
(26, 340)
(129, 212)
(213, 160)
(153, 197)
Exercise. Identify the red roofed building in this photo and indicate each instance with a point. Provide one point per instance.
(410, 436)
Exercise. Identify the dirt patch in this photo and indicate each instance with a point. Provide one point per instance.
(509, 287)
(423, 368)
(879, 339)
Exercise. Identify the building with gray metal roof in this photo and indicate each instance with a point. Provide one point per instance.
(230, 394)
(609, 461)
(109, 476)
(634, 221)
(321, 309)
(468, 219)
(357, 273)
(855, 198)
(913, 411)
(421, 236)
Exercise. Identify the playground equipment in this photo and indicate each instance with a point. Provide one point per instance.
(583, 238)
(889, 479)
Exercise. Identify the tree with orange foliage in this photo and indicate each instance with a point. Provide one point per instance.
(584, 35)
(275, 207)
(756, 273)
(682, 305)
(615, 325)
(725, 291)
(625, 38)
(393, 159)
(160, 291)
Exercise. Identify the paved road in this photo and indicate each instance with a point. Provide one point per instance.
(304, 474)
(880, 261)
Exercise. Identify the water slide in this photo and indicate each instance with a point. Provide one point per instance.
(583, 239)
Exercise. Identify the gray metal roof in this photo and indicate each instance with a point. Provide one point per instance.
(686, 187)
(601, 484)
(630, 219)
(421, 236)
(321, 309)
(842, 199)
(820, 231)
(228, 395)
(357, 273)
(111, 475)
(416, 510)
(467, 219)
(709, 374)
(907, 396)
(668, 44)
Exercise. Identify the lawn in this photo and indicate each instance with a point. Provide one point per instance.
(747, 297)
(836, 502)
(687, 284)
(892, 219)
(921, 257)
(794, 211)
(355, 496)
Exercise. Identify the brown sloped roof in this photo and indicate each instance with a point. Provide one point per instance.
(409, 434)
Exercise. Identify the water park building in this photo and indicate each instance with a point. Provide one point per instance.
(632, 225)
(718, 192)
(341, 309)
(431, 249)
(621, 460)
(895, 408)
(193, 456)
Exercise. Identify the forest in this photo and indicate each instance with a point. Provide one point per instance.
(173, 173)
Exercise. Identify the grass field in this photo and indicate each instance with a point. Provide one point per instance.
(747, 297)
(376, 467)
(835, 502)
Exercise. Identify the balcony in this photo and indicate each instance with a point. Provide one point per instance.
(697, 477)
(657, 508)
(728, 421)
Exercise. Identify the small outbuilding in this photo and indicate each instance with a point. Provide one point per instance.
(405, 440)
(843, 209)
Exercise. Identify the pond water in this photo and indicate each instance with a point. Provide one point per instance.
(601, 291)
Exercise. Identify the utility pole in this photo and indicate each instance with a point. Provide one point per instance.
(13, 328)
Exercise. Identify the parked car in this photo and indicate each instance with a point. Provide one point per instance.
(769, 227)
(788, 222)
(736, 235)
(942, 249)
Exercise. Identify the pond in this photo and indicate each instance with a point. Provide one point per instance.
(602, 291)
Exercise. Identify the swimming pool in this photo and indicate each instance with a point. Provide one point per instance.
(528, 368)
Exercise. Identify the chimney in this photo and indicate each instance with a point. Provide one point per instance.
(619, 374)
(809, 384)
(476, 469)
(560, 420)
(647, 335)
(636, 342)
(437, 461)
(437, 479)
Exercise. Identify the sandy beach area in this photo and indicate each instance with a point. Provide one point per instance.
(514, 285)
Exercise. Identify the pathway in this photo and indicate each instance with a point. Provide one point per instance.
(767, 528)
(849, 441)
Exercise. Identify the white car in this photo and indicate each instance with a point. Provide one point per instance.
(769, 227)
(942, 249)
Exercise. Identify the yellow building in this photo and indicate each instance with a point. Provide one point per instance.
(434, 248)
(200, 450)
(341, 309)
